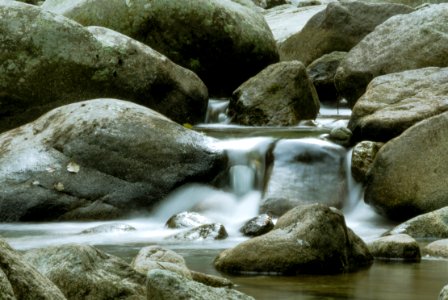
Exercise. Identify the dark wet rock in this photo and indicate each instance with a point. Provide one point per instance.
(307, 239)
(187, 219)
(156, 257)
(20, 280)
(47, 61)
(433, 225)
(281, 94)
(437, 248)
(408, 175)
(85, 272)
(398, 246)
(322, 72)
(113, 143)
(257, 226)
(213, 231)
(163, 284)
(297, 167)
(403, 42)
(223, 42)
(109, 228)
(338, 28)
(363, 155)
(394, 102)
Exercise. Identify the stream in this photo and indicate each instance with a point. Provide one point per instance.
(237, 201)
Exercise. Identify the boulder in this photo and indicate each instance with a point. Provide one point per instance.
(437, 248)
(399, 246)
(305, 171)
(187, 219)
(213, 231)
(162, 284)
(267, 4)
(109, 228)
(403, 42)
(337, 28)
(258, 225)
(322, 72)
(363, 155)
(286, 20)
(408, 175)
(307, 239)
(156, 257)
(90, 160)
(433, 225)
(280, 95)
(223, 42)
(85, 272)
(394, 102)
(47, 61)
(19, 280)
(340, 135)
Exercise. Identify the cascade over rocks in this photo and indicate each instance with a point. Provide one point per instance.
(47, 61)
(280, 95)
(337, 28)
(128, 158)
(404, 42)
(85, 272)
(223, 42)
(20, 280)
(214, 231)
(295, 162)
(394, 102)
(408, 175)
(307, 239)
(109, 228)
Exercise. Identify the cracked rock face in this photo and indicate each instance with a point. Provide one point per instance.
(98, 159)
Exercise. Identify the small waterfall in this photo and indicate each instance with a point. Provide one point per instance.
(216, 111)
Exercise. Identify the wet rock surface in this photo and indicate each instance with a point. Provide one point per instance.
(393, 247)
(307, 239)
(257, 226)
(48, 61)
(114, 143)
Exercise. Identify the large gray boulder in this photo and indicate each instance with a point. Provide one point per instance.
(162, 284)
(223, 42)
(408, 175)
(404, 42)
(394, 102)
(305, 171)
(444, 293)
(437, 248)
(280, 95)
(337, 28)
(20, 280)
(47, 60)
(156, 257)
(307, 239)
(393, 247)
(99, 159)
(84, 272)
(432, 225)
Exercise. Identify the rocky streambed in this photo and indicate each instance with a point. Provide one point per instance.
(106, 165)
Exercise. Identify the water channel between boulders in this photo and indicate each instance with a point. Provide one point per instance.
(237, 201)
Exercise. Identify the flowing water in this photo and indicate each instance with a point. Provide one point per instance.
(236, 201)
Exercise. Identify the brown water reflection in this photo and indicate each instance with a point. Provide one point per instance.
(383, 281)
